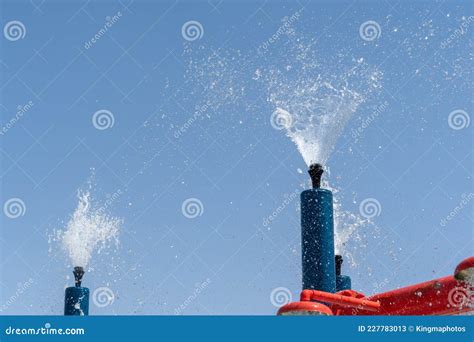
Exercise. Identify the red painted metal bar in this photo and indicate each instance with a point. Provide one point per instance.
(443, 296)
(345, 301)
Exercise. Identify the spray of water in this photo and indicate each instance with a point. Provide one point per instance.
(90, 230)
(313, 93)
(314, 108)
(351, 230)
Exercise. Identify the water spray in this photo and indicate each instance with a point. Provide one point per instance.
(76, 298)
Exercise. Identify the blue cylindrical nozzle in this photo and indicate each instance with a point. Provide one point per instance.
(317, 232)
(76, 301)
(343, 282)
(76, 298)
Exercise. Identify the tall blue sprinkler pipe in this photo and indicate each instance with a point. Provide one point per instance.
(76, 299)
(317, 233)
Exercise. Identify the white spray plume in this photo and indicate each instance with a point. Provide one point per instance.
(88, 231)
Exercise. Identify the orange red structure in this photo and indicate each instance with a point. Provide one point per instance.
(451, 295)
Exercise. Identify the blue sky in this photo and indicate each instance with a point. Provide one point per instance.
(413, 156)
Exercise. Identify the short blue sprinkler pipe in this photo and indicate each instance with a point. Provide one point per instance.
(317, 233)
(76, 299)
(343, 282)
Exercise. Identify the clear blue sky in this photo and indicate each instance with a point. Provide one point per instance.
(143, 70)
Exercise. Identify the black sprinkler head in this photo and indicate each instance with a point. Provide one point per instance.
(315, 172)
(78, 274)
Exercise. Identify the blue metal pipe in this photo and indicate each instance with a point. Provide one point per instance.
(343, 282)
(76, 298)
(76, 301)
(317, 233)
